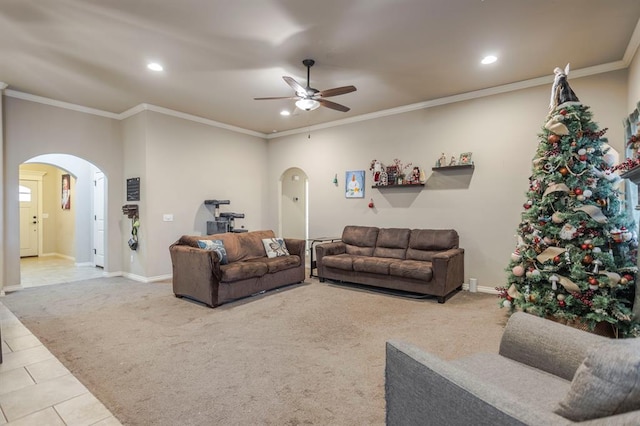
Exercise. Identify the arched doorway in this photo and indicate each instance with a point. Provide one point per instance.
(71, 231)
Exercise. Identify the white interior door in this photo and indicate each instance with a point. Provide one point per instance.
(98, 219)
(29, 221)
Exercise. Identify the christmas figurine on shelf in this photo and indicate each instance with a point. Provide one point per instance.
(575, 256)
(376, 169)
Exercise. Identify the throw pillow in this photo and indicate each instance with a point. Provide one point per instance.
(275, 247)
(217, 246)
(606, 383)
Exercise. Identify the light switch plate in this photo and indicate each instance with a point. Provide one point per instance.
(167, 217)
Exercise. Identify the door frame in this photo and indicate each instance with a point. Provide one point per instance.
(37, 176)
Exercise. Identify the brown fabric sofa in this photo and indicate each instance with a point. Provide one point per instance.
(199, 275)
(421, 261)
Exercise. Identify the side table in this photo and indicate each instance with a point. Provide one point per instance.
(314, 241)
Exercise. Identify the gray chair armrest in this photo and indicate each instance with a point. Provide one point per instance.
(546, 345)
(422, 389)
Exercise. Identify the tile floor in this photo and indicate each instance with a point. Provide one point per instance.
(35, 388)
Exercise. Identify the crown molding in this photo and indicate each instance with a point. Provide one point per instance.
(634, 43)
(632, 47)
(60, 104)
(525, 84)
(130, 112)
(194, 118)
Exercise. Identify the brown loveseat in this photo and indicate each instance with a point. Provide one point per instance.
(198, 273)
(420, 261)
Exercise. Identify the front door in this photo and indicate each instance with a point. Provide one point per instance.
(29, 221)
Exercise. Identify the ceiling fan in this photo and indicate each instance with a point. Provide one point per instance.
(309, 98)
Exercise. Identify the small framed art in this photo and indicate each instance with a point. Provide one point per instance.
(354, 184)
(66, 192)
(465, 158)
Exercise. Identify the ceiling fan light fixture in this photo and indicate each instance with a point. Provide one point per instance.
(489, 59)
(307, 104)
(154, 66)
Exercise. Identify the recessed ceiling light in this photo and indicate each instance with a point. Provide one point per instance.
(488, 60)
(285, 112)
(154, 66)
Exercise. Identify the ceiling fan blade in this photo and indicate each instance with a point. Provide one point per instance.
(276, 97)
(337, 91)
(333, 105)
(294, 85)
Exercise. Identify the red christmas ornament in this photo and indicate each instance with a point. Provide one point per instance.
(577, 191)
(593, 281)
(561, 303)
(587, 259)
(563, 112)
(583, 158)
(553, 138)
(557, 259)
(584, 246)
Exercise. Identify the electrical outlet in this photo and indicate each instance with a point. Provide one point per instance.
(167, 217)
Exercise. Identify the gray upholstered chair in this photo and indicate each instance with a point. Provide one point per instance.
(545, 373)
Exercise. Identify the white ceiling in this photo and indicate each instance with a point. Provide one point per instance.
(220, 54)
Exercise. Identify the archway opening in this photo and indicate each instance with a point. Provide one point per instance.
(69, 220)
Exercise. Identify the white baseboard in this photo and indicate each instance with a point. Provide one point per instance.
(481, 289)
(10, 288)
(142, 279)
(64, 256)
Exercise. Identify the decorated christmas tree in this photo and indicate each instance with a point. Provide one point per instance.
(575, 256)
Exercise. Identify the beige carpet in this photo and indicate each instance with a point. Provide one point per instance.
(309, 354)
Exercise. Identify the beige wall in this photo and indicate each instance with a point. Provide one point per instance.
(483, 206)
(182, 163)
(32, 129)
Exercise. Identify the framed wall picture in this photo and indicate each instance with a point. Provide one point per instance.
(465, 158)
(66, 192)
(354, 184)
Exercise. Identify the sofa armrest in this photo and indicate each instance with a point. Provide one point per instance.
(421, 389)
(297, 247)
(546, 345)
(448, 254)
(193, 265)
(330, 249)
(448, 269)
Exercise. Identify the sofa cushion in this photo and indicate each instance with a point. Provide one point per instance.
(217, 246)
(237, 271)
(424, 243)
(374, 265)
(275, 247)
(392, 242)
(606, 383)
(244, 246)
(415, 269)
(359, 240)
(339, 261)
(433, 239)
(279, 263)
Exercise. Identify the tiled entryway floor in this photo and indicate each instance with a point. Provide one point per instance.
(45, 270)
(35, 388)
